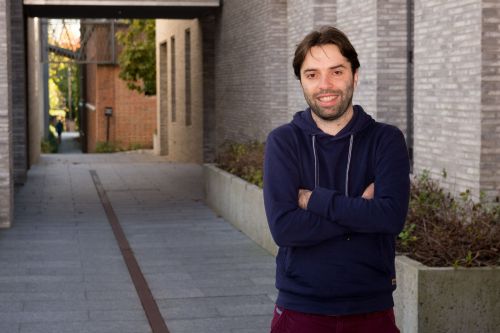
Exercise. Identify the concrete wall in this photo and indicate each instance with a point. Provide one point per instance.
(447, 109)
(432, 300)
(240, 203)
(6, 164)
(183, 137)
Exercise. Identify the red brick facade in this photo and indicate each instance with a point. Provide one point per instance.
(133, 122)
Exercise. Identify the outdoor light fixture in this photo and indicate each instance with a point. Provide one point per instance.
(108, 112)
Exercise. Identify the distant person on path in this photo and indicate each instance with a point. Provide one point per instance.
(336, 191)
(59, 129)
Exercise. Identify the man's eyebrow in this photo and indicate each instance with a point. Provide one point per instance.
(315, 69)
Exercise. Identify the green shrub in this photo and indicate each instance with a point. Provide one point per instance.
(49, 145)
(440, 230)
(244, 160)
(105, 147)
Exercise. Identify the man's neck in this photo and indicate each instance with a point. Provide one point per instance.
(333, 127)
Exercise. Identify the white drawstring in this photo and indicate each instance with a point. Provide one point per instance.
(348, 166)
(316, 175)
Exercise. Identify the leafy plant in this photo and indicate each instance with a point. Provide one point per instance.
(49, 145)
(440, 229)
(105, 147)
(244, 160)
(137, 60)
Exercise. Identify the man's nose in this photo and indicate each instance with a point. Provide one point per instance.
(325, 82)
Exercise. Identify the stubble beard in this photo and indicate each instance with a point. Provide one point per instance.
(335, 112)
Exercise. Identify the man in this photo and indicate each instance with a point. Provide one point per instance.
(336, 191)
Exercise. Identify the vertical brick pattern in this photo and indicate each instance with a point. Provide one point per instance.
(490, 99)
(391, 62)
(6, 176)
(302, 18)
(18, 87)
(300, 22)
(447, 88)
(358, 20)
(251, 69)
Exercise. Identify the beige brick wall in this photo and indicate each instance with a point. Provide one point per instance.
(6, 164)
(184, 142)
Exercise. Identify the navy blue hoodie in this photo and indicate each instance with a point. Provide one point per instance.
(337, 256)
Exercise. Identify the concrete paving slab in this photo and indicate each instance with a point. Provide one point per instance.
(60, 260)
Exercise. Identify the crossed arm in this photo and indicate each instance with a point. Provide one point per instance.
(304, 195)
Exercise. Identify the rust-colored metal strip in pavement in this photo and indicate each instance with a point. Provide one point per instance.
(153, 314)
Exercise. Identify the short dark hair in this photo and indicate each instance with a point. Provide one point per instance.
(323, 36)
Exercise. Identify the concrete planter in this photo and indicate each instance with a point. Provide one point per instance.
(428, 300)
(240, 203)
(445, 299)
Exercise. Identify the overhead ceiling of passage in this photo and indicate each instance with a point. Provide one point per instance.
(180, 9)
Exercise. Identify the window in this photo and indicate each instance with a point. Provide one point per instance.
(172, 75)
(187, 73)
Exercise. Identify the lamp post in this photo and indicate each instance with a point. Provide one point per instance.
(108, 112)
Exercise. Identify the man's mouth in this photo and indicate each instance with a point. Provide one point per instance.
(327, 98)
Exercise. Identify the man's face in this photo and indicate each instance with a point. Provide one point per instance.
(328, 82)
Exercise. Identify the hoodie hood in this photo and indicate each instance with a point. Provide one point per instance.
(359, 122)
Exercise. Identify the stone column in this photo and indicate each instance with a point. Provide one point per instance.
(490, 100)
(378, 31)
(6, 175)
(447, 84)
(18, 88)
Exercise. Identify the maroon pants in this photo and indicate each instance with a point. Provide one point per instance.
(288, 321)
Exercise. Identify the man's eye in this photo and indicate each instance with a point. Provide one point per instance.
(310, 76)
(337, 73)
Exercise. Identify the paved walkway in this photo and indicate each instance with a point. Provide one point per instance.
(61, 269)
(69, 143)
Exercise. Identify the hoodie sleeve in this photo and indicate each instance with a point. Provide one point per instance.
(386, 212)
(289, 224)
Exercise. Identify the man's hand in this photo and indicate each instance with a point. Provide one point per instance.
(304, 196)
(369, 192)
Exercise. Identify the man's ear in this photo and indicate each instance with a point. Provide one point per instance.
(355, 79)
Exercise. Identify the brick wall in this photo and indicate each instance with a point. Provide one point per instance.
(302, 18)
(358, 20)
(251, 69)
(490, 99)
(378, 31)
(209, 118)
(19, 139)
(6, 176)
(133, 122)
(184, 138)
(447, 85)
